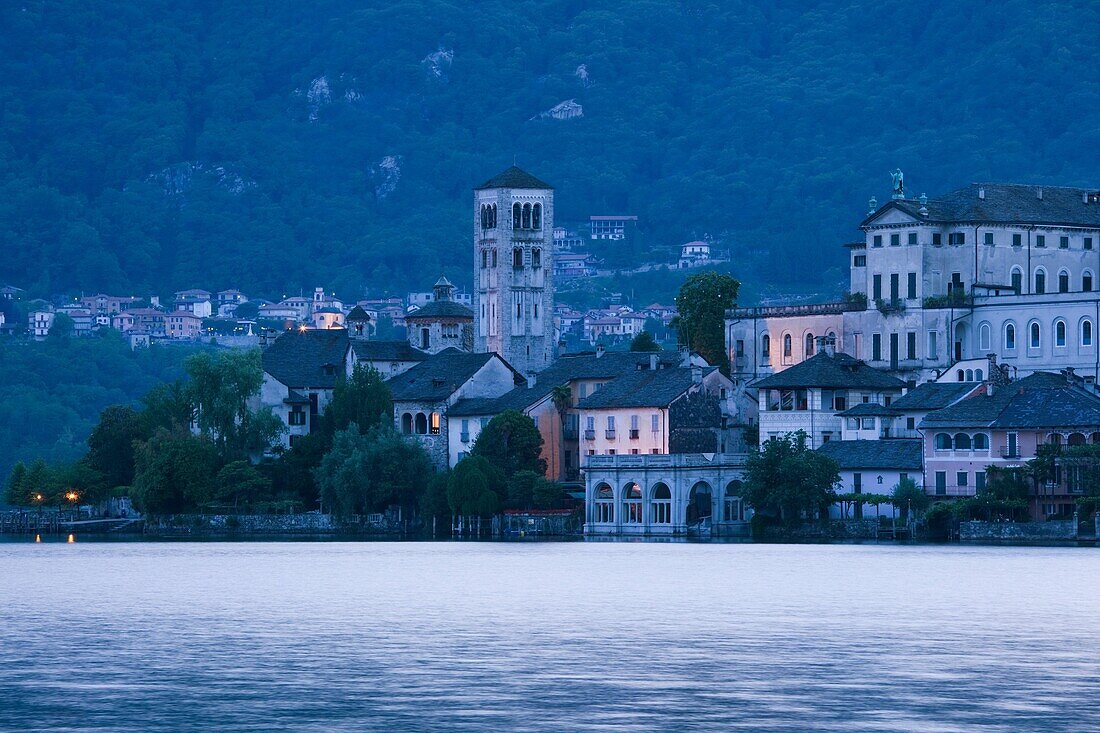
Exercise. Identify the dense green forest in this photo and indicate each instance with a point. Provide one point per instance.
(53, 391)
(271, 146)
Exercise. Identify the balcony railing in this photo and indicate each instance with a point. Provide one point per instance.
(1010, 452)
(589, 434)
(633, 434)
(464, 437)
(609, 434)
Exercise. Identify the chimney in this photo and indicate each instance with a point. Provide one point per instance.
(530, 381)
(1084, 197)
(653, 362)
(1039, 193)
(696, 375)
(600, 350)
(981, 193)
(685, 356)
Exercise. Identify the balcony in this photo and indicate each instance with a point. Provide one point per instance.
(464, 437)
(633, 434)
(609, 434)
(1010, 452)
(589, 434)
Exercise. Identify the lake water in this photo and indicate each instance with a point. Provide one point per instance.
(576, 636)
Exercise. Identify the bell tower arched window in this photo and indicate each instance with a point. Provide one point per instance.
(536, 256)
(526, 216)
(536, 216)
(517, 213)
(517, 258)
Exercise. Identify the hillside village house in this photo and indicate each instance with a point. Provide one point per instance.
(989, 268)
(108, 304)
(611, 228)
(183, 325)
(694, 254)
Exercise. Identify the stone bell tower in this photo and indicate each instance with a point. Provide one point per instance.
(514, 270)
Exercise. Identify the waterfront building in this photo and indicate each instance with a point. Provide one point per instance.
(989, 268)
(666, 495)
(874, 466)
(514, 270)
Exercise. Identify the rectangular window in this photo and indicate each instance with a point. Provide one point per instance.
(876, 347)
(941, 483)
(633, 422)
(857, 483)
(853, 423)
(1040, 240)
(1063, 242)
(979, 481)
(912, 237)
(1088, 243)
(957, 238)
(989, 238)
(653, 423)
(860, 261)
(937, 239)
(590, 423)
(910, 423)
(877, 241)
(932, 350)
(895, 240)
(610, 422)
(960, 478)
(894, 286)
(876, 287)
(739, 349)
(868, 423)
(911, 345)
(1017, 240)
(1012, 450)
(911, 286)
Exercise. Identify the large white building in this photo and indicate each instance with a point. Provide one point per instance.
(990, 268)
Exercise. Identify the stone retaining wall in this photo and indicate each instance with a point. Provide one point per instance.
(312, 523)
(834, 529)
(1018, 531)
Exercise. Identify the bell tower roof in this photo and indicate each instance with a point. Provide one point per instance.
(514, 177)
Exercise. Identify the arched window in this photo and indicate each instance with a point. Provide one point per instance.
(517, 258)
(962, 441)
(733, 509)
(765, 346)
(1035, 339)
(1054, 439)
(434, 423)
(661, 512)
(484, 258)
(978, 376)
(527, 216)
(1076, 439)
(421, 424)
(960, 376)
(787, 345)
(632, 504)
(1040, 281)
(517, 215)
(981, 441)
(809, 345)
(406, 423)
(425, 338)
(1063, 281)
(536, 216)
(1059, 333)
(969, 375)
(1086, 332)
(1017, 280)
(536, 256)
(1010, 337)
(605, 504)
(1094, 438)
(493, 216)
(943, 441)
(494, 258)
(984, 337)
(1086, 281)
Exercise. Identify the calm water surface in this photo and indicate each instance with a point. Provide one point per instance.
(547, 637)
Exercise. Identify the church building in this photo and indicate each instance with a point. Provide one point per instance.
(513, 270)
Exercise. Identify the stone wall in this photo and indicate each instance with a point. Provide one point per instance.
(1018, 531)
(836, 529)
(312, 523)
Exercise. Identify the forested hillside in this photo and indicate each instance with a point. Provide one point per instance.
(270, 146)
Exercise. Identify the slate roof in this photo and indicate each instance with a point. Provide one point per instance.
(298, 358)
(932, 395)
(902, 454)
(514, 177)
(437, 377)
(1042, 400)
(441, 309)
(645, 388)
(1010, 203)
(868, 409)
(838, 371)
(358, 314)
(611, 365)
(386, 351)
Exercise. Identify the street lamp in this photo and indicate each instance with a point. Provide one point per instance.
(72, 497)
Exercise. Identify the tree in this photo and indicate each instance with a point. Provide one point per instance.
(476, 488)
(221, 388)
(644, 342)
(907, 495)
(786, 479)
(562, 397)
(511, 442)
(240, 482)
(174, 472)
(111, 444)
(167, 405)
(371, 472)
(364, 399)
(292, 473)
(702, 304)
(14, 492)
(62, 327)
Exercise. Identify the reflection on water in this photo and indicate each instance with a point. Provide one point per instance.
(546, 637)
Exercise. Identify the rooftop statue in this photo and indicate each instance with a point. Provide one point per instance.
(899, 183)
